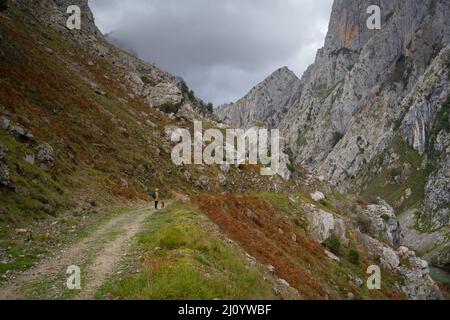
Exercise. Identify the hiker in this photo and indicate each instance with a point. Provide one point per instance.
(156, 197)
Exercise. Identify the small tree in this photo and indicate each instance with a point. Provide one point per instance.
(353, 256)
(333, 244)
(3, 5)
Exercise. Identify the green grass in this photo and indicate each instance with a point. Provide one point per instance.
(181, 261)
(333, 244)
(19, 256)
(382, 185)
(148, 81)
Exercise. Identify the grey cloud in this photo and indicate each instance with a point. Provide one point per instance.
(221, 48)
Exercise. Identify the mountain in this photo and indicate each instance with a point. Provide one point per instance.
(85, 139)
(266, 103)
(371, 113)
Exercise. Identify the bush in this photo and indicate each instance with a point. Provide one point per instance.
(210, 107)
(3, 5)
(333, 244)
(353, 256)
(148, 81)
(337, 136)
(290, 167)
(169, 107)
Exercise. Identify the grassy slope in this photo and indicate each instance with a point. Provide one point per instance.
(45, 93)
(179, 260)
(383, 184)
(43, 90)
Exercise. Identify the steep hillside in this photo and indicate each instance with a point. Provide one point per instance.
(372, 112)
(85, 138)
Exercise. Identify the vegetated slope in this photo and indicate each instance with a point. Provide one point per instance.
(372, 113)
(85, 125)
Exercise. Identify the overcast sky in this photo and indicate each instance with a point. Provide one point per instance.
(222, 48)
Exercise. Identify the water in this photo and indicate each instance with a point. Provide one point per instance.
(440, 275)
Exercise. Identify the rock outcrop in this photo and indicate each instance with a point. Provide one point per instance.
(322, 225)
(417, 285)
(383, 223)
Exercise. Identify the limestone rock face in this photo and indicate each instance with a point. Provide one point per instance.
(322, 225)
(417, 283)
(384, 223)
(265, 104)
(437, 190)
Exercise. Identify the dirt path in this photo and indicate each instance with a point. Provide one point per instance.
(97, 255)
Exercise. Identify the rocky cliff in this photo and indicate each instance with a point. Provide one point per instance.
(371, 114)
(266, 104)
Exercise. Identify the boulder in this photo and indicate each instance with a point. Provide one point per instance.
(29, 159)
(222, 180)
(321, 223)
(4, 123)
(332, 256)
(45, 156)
(187, 175)
(383, 223)
(317, 196)
(164, 93)
(225, 168)
(202, 182)
(5, 179)
(389, 259)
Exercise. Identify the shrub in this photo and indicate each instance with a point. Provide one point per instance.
(290, 167)
(337, 136)
(169, 107)
(210, 107)
(333, 244)
(353, 256)
(148, 81)
(185, 89)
